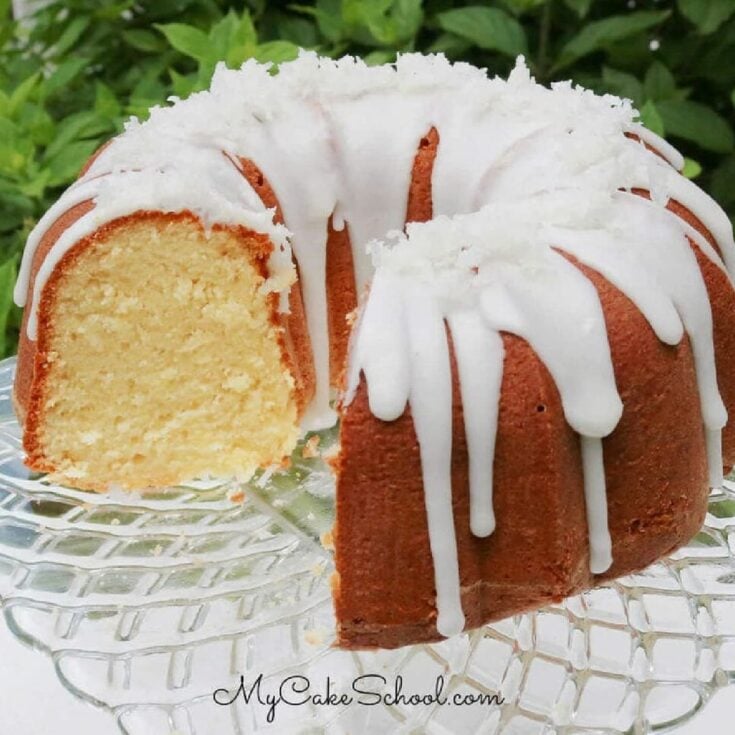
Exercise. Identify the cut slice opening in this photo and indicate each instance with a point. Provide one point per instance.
(160, 358)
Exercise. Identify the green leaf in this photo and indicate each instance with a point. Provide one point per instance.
(407, 16)
(723, 181)
(357, 11)
(328, 15)
(63, 75)
(580, 7)
(183, 86)
(105, 102)
(15, 208)
(488, 28)
(651, 118)
(301, 31)
(36, 186)
(66, 164)
(375, 58)
(15, 149)
(369, 22)
(143, 40)
(659, 82)
(698, 123)
(221, 35)
(112, 10)
(21, 94)
(78, 126)
(232, 39)
(189, 40)
(244, 32)
(276, 51)
(148, 91)
(601, 33)
(631, 53)
(707, 15)
(37, 123)
(691, 169)
(8, 272)
(518, 7)
(622, 84)
(453, 46)
(71, 35)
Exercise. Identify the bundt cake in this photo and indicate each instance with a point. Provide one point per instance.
(531, 375)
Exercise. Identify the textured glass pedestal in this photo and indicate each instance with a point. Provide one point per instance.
(147, 605)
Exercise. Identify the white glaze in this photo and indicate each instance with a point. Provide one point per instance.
(431, 408)
(479, 354)
(386, 366)
(523, 178)
(595, 497)
(713, 438)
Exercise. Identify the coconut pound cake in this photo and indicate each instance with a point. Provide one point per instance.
(518, 308)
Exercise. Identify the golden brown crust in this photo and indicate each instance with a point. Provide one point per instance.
(296, 343)
(419, 207)
(340, 284)
(27, 349)
(722, 300)
(341, 297)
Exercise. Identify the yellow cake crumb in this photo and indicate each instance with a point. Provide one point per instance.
(197, 386)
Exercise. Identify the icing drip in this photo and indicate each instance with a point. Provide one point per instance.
(283, 152)
(525, 180)
(479, 352)
(404, 356)
(544, 307)
(361, 128)
(80, 192)
(661, 146)
(431, 409)
(381, 354)
(659, 273)
(596, 504)
(713, 438)
(708, 212)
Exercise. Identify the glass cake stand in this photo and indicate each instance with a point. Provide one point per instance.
(147, 605)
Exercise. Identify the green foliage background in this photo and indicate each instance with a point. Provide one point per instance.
(72, 74)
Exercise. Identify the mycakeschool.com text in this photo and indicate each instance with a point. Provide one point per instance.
(368, 690)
